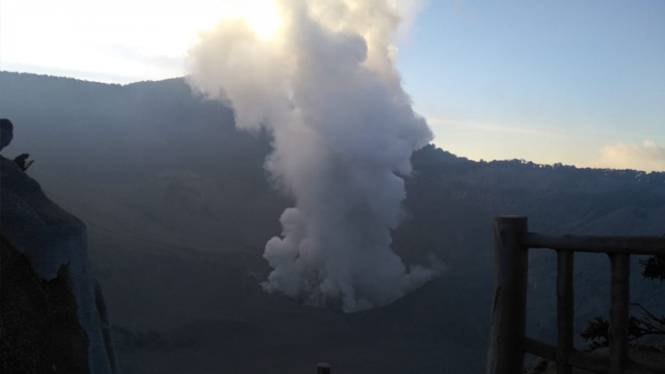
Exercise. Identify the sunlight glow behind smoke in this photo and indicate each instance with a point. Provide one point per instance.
(326, 87)
(261, 15)
(138, 39)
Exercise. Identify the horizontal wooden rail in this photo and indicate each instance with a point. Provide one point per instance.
(634, 245)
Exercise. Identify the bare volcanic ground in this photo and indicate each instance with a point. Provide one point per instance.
(190, 302)
(181, 267)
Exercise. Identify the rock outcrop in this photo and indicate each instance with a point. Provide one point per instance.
(52, 314)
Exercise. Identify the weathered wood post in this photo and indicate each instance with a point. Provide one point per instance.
(506, 346)
(323, 368)
(565, 312)
(619, 312)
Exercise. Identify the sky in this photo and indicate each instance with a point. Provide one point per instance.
(579, 82)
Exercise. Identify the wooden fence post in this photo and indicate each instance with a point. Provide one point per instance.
(565, 311)
(506, 345)
(323, 368)
(619, 312)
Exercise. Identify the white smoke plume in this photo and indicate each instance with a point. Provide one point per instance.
(326, 87)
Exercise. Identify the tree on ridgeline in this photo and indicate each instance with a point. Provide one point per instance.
(654, 267)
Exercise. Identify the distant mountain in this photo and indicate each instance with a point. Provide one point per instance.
(178, 209)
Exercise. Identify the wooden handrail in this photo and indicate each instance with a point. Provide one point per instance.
(635, 245)
(508, 342)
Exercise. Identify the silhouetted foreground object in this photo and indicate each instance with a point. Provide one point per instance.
(6, 132)
(23, 162)
(654, 267)
(52, 317)
(6, 136)
(323, 368)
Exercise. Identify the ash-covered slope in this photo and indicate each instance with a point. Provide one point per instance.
(178, 211)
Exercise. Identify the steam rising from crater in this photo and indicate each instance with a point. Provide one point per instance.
(326, 87)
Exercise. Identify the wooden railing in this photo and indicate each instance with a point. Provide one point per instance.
(508, 343)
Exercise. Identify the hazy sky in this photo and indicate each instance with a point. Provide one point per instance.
(573, 81)
(546, 80)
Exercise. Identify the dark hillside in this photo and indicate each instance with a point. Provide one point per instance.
(451, 202)
(111, 133)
